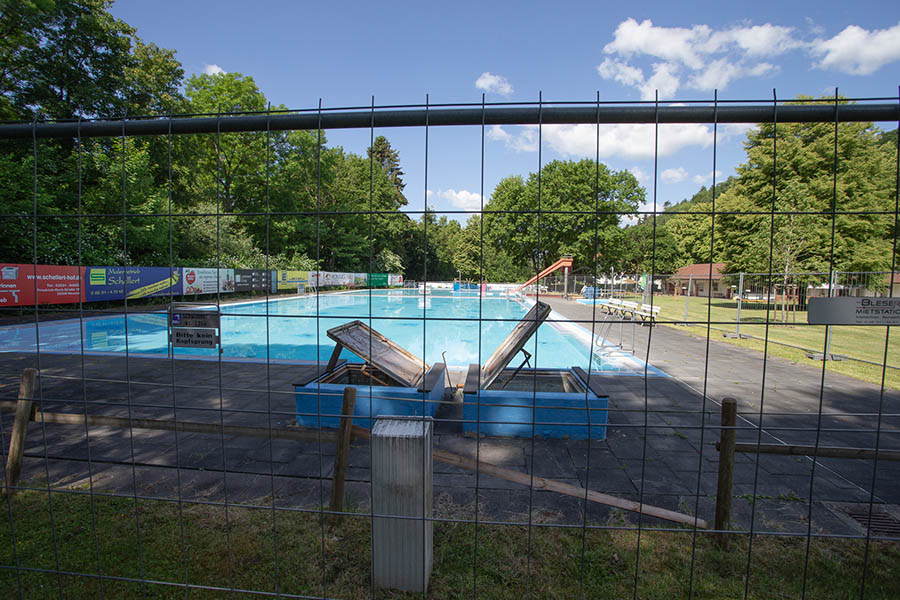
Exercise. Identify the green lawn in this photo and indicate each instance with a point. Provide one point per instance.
(503, 568)
(866, 343)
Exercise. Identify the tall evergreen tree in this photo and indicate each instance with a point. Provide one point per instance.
(388, 159)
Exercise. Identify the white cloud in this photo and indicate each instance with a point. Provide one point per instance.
(704, 179)
(633, 141)
(758, 40)
(462, 199)
(526, 140)
(621, 72)
(497, 133)
(664, 79)
(668, 43)
(858, 51)
(213, 70)
(700, 57)
(674, 175)
(641, 175)
(491, 83)
(625, 140)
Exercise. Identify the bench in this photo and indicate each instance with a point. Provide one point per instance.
(647, 313)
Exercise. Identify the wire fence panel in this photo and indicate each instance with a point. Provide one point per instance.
(229, 345)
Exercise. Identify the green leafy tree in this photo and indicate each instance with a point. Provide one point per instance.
(388, 262)
(132, 239)
(230, 166)
(70, 58)
(804, 197)
(580, 202)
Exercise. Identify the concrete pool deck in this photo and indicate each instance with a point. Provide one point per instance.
(659, 447)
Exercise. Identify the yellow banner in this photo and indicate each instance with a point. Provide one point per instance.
(155, 287)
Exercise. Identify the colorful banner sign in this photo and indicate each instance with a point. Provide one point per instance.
(117, 283)
(395, 280)
(55, 285)
(289, 280)
(208, 281)
(378, 280)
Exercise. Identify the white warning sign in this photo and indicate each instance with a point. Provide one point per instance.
(194, 337)
(854, 311)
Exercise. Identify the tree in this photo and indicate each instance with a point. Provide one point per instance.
(230, 166)
(388, 262)
(71, 58)
(693, 235)
(580, 207)
(388, 160)
(797, 218)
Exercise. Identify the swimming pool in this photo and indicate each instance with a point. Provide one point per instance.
(295, 329)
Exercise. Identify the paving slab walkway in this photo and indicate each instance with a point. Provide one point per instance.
(659, 447)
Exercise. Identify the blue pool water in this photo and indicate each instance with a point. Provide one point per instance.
(295, 329)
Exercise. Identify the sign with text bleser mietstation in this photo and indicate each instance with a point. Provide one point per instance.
(854, 311)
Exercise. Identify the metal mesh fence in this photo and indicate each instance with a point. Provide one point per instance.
(687, 434)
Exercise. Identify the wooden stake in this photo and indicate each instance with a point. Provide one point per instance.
(341, 458)
(726, 469)
(25, 409)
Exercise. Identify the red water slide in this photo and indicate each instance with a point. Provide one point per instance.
(563, 263)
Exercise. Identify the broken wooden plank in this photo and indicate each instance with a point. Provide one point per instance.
(380, 352)
(514, 342)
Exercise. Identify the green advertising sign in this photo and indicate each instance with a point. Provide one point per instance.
(378, 280)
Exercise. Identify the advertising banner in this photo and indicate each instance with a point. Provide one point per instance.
(55, 285)
(251, 280)
(289, 280)
(378, 280)
(395, 280)
(360, 280)
(208, 281)
(115, 283)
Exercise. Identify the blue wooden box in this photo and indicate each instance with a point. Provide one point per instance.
(319, 401)
(562, 407)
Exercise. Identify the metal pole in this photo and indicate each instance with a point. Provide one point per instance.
(566, 283)
(740, 299)
(312, 120)
(687, 297)
(828, 327)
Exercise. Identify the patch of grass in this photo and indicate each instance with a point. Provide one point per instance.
(295, 552)
(865, 343)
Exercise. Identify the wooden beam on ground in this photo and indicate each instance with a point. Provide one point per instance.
(542, 483)
(25, 409)
(341, 453)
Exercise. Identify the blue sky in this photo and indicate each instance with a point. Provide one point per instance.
(346, 52)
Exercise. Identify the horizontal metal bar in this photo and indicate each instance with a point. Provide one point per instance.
(529, 115)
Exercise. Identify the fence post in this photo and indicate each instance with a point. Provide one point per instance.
(25, 410)
(342, 450)
(687, 297)
(726, 470)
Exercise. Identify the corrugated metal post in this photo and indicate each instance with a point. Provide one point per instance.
(402, 487)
